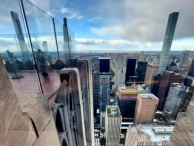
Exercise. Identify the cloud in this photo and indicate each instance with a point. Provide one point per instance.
(71, 13)
(84, 44)
(143, 20)
(64, 10)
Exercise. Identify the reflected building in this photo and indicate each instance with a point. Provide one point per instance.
(45, 46)
(20, 36)
(171, 25)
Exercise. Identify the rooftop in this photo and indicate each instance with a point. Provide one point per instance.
(148, 96)
(113, 111)
(151, 133)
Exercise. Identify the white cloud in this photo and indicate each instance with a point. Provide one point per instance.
(83, 44)
(64, 10)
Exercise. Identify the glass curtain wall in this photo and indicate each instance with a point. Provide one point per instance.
(34, 48)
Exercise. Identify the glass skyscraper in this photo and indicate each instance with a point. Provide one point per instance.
(171, 25)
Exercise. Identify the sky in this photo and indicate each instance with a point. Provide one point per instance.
(123, 25)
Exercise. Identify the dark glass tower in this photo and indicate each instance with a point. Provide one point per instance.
(130, 69)
(141, 70)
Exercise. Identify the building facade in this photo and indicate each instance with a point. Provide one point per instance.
(118, 73)
(152, 70)
(184, 60)
(174, 102)
(130, 69)
(113, 125)
(168, 77)
(171, 25)
(104, 91)
(141, 71)
(145, 108)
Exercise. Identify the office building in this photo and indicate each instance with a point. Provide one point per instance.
(127, 101)
(182, 134)
(104, 83)
(156, 85)
(95, 79)
(130, 69)
(113, 125)
(145, 108)
(168, 77)
(170, 29)
(20, 36)
(102, 120)
(104, 64)
(188, 97)
(174, 102)
(97, 137)
(188, 81)
(141, 71)
(152, 70)
(148, 135)
(184, 60)
(127, 97)
(142, 56)
(118, 73)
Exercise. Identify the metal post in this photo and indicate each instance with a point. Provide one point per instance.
(55, 37)
(25, 20)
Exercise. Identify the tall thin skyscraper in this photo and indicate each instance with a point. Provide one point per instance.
(171, 25)
(20, 36)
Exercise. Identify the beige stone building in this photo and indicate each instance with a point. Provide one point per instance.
(145, 108)
(152, 70)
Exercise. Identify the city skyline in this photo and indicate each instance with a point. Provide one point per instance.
(123, 28)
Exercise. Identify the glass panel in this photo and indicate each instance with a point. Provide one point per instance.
(44, 47)
(15, 50)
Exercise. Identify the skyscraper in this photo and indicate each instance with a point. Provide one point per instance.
(20, 36)
(113, 125)
(168, 77)
(190, 76)
(130, 69)
(152, 70)
(182, 134)
(141, 70)
(174, 101)
(145, 108)
(184, 59)
(104, 82)
(118, 73)
(171, 25)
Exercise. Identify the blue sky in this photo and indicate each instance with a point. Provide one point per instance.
(123, 25)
